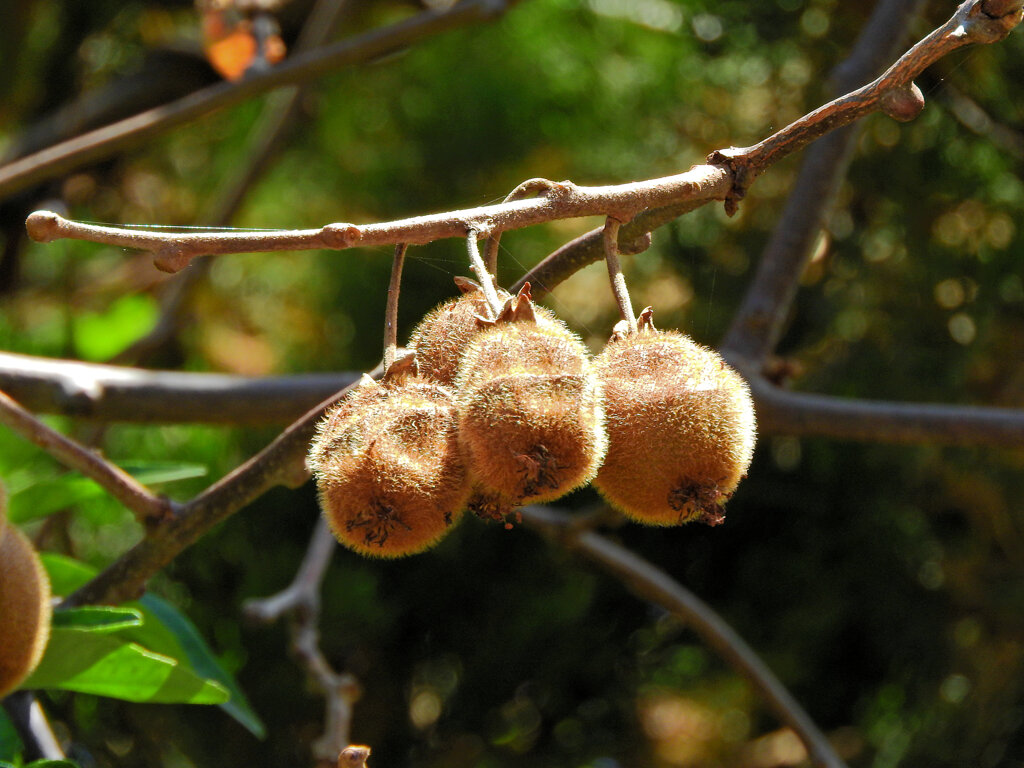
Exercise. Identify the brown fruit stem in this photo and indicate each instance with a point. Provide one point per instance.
(610, 236)
(391, 313)
(483, 275)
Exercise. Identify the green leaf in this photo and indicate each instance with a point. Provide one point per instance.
(97, 618)
(52, 764)
(10, 741)
(66, 574)
(107, 665)
(100, 336)
(201, 659)
(45, 495)
(165, 630)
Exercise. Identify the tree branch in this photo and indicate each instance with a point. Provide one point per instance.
(134, 131)
(760, 320)
(110, 393)
(282, 462)
(653, 584)
(148, 509)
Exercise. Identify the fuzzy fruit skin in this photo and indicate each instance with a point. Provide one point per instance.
(388, 468)
(444, 333)
(531, 416)
(681, 428)
(24, 607)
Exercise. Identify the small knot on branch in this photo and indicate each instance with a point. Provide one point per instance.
(43, 226)
(172, 258)
(735, 159)
(341, 236)
(636, 245)
(989, 21)
(902, 103)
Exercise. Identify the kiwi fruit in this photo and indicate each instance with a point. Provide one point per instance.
(24, 605)
(444, 333)
(681, 427)
(531, 416)
(388, 468)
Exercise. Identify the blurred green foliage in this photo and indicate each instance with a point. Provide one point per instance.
(884, 584)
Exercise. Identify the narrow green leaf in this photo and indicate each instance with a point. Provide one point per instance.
(97, 618)
(107, 665)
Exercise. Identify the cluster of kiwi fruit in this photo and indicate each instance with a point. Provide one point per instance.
(24, 605)
(490, 411)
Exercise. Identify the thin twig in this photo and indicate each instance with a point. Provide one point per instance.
(148, 508)
(301, 602)
(653, 584)
(483, 275)
(304, 591)
(610, 236)
(173, 251)
(278, 114)
(134, 131)
(391, 313)
(760, 320)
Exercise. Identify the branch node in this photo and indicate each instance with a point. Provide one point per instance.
(43, 226)
(735, 159)
(989, 21)
(902, 103)
(172, 258)
(341, 236)
(636, 245)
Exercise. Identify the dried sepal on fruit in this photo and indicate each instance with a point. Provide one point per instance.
(24, 605)
(531, 417)
(681, 427)
(387, 465)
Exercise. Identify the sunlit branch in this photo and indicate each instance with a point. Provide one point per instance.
(653, 584)
(148, 509)
(760, 320)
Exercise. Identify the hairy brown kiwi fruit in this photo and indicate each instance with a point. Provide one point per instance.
(444, 333)
(681, 427)
(388, 469)
(24, 605)
(531, 417)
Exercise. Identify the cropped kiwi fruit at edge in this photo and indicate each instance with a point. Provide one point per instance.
(24, 604)
(490, 411)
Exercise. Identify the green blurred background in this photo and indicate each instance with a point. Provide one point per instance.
(883, 584)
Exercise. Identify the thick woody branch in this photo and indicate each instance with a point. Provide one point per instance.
(109, 393)
(134, 131)
(650, 583)
(781, 411)
(148, 509)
